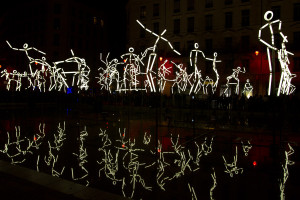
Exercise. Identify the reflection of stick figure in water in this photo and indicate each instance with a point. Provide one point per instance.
(234, 75)
(268, 17)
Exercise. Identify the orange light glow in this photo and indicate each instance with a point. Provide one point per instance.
(160, 59)
(256, 53)
(123, 145)
(254, 163)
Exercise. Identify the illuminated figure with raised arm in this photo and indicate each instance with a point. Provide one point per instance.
(271, 45)
(152, 56)
(163, 71)
(248, 89)
(214, 61)
(110, 74)
(234, 76)
(285, 86)
(131, 70)
(182, 78)
(26, 49)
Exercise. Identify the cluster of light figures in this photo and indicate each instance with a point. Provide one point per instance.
(155, 76)
(124, 164)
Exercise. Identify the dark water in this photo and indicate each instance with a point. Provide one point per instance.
(183, 159)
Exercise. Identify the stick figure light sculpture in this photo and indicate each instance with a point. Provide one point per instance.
(152, 56)
(268, 17)
(248, 89)
(234, 76)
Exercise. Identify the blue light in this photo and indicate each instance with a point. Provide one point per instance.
(69, 90)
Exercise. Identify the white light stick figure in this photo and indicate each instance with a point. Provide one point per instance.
(232, 168)
(285, 86)
(191, 188)
(153, 55)
(38, 138)
(234, 76)
(214, 61)
(26, 49)
(268, 17)
(147, 138)
(182, 78)
(246, 147)
(194, 59)
(285, 171)
(82, 157)
(213, 176)
(248, 89)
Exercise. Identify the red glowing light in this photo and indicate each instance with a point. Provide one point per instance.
(34, 138)
(36, 63)
(123, 134)
(160, 59)
(254, 163)
(124, 61)
(123, 145)
(158, 150)
(256, 53)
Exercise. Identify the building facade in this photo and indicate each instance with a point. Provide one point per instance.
(228, 27)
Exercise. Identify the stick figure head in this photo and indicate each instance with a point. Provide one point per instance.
(25, 46)
(196, 45)
(131, 49)
(268, 15)
(215, 54)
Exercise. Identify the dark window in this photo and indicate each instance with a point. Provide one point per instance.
(228, 43)
(245, 41)
(155, 10)
(208, 22)
(176, 6)
(208, 45)
(228, 20)
(190, 5)
(276, 12)
(209, 3)
(142, 32)
(296, 64)
(244, 1)
(208, 68)
(156, 27)
(245, 63)
(190, 23)
(57, 8)
(176, 26)
(176, 46)
(229, 65)
(296, 40)
(228, 2)
(56, 24)
(56, 40)
(296, 11)
(143, 12)
(190, 45)
(245, 18)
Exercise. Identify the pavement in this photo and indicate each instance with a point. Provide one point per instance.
(18, 182)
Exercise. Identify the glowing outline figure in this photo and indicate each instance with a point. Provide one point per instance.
(285, 86)
(248, 89)
(268, 17)
(193, 62)
(182, 78)
(214, 61)
(213, 176)
(285, 171)
(82, 157)
(132, 69)
(26, 49)
(152, 57)
(234, 75)
(246, 147)
(231, 168)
